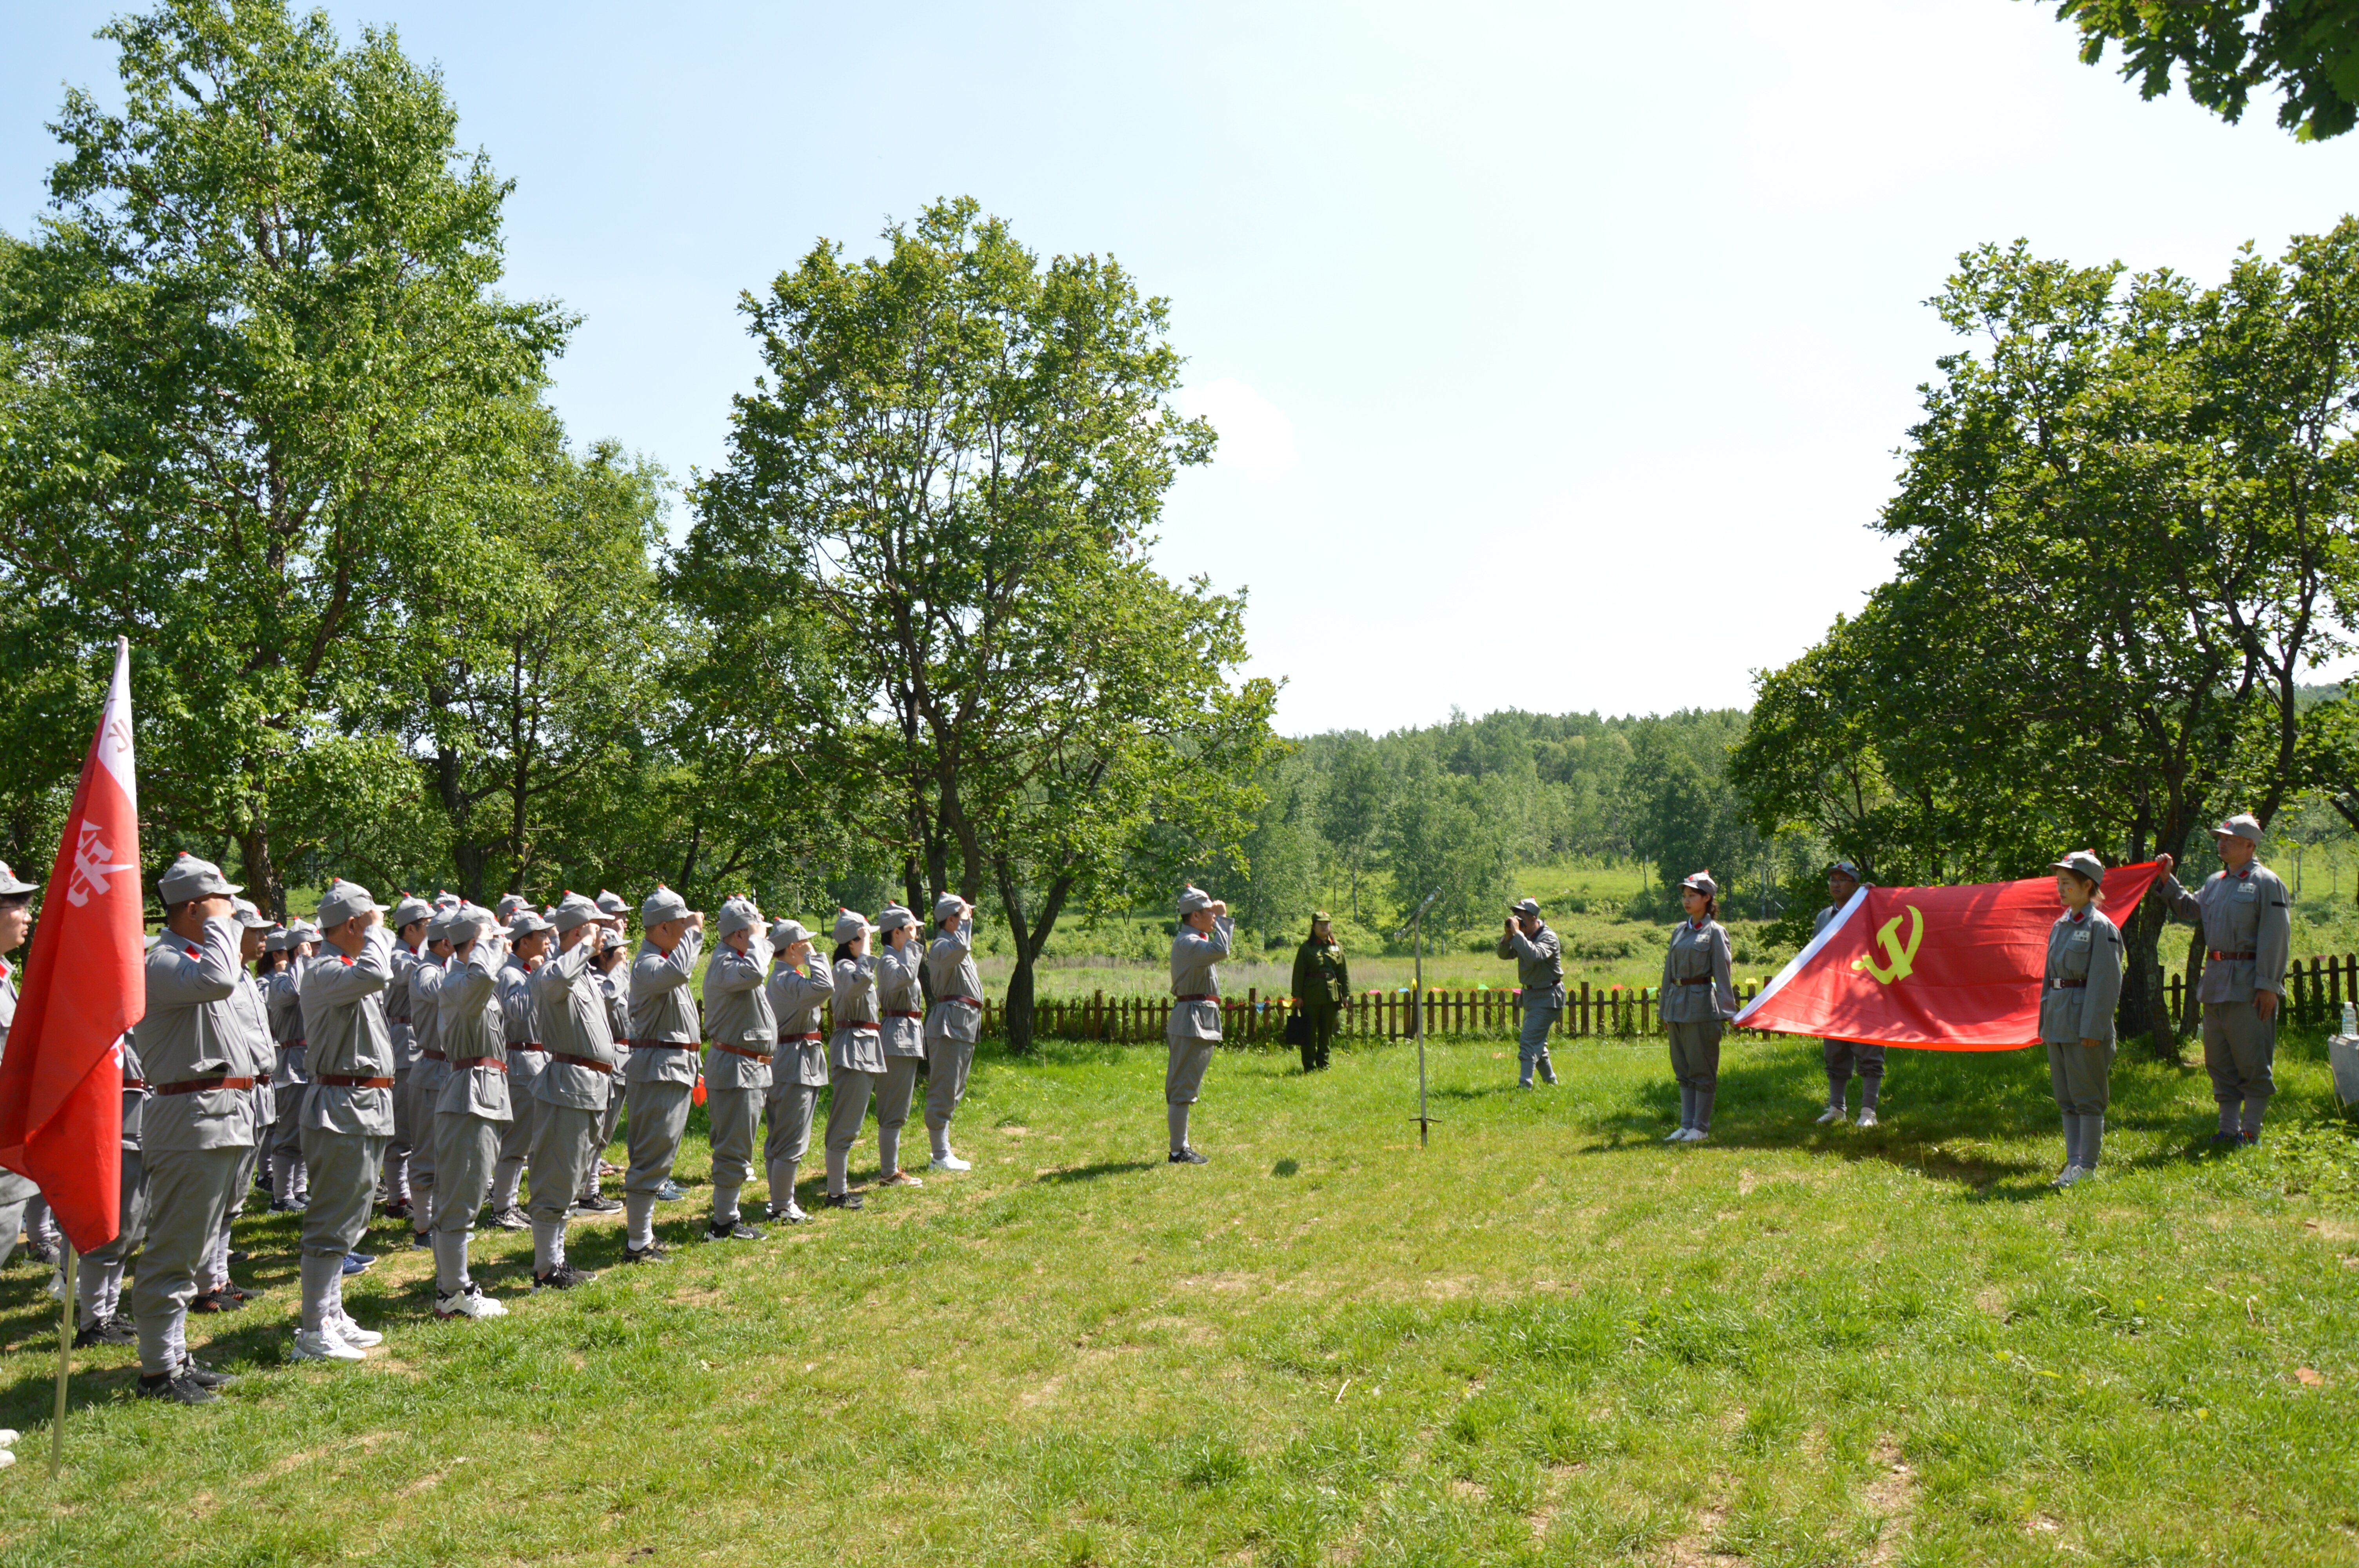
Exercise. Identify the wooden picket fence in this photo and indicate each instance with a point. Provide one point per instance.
(2315, 992)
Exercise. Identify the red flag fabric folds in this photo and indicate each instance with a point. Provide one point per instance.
(1949, 968)
(61, 1079)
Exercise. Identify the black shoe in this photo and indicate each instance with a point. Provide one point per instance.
(421, 1241)
(653, 1252)
(398, 1210)
(2225, 1141)
(285, 1206)
(216, 1301)
(597, 1205)
(2246, 1139)
(512, 1218)
(564, 1277)
(1187, 1157)
(106, 1331)
(735, 1230)
(177, 1387)
(844, 1200)
(670, 1192)
(239, 1255)
(205, 1377)
(41, 1253)
(238, 1292)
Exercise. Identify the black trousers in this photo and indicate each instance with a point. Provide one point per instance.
(1322, 1036)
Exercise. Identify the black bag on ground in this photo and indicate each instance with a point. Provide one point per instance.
(1298, 1029)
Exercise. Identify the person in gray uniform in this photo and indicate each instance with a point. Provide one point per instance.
(1540, 971)
(409, 916)
(1698, 998)
(284, 996)
(473, 1109)
(16, 924)
(953, 1022)
(741, 1035)
(1194, 1032)
(1845, 1056)
(347, 1113)
(798, 988)
(2247, 924)
(196, 1129)
(528, 936)
(432, 1071)
(901, 1029)
(2077, 995)
(256, 1057)
(612, 968)
(570, 1000)
(665, 1035)
(98, 1281)
(856, 1054)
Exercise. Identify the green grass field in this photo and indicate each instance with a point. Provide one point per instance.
(1546, 1339)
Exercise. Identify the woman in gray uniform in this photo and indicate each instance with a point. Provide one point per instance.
(856, 1056)
(2077, 993)
(741, 1035)
(528, 936)
(612, 968)
(253, 1014)
(570, 998)
(473, 1110)
(953, 1022)
(798, 988)
(285, 997)
(901, 1006)
(1194, 1032)
(432, 1071)
(1698, 998)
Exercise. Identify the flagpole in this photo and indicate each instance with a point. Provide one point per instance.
(65, 1361)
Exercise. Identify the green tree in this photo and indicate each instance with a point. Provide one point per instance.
(1444, 833)
(2306, 49)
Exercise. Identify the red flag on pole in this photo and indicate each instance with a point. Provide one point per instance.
(1954, 968)
(61, 1080)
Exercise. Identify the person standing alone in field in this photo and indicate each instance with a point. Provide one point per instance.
(2247, 924)
(1321, 982)
(1842, 881)
(1194, 1032)
(1539, 970)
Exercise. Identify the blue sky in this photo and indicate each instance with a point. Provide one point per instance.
(1561, 352)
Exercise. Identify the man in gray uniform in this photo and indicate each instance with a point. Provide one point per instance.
(1539, 970)
(409, 917)
(284, 995)
(472, 1109)
(741, 1035)
(256, 1055)
(2247, 924)
(665, 1033)
(1194, 1032)
(953, 1022)
(198, 1127)
(901, 1029)
(528, 1058)
(799, 987)
(16, 924)
(1842, 881)
(433, 1070)
(570, 999)
(347, 1113)
(614, 960)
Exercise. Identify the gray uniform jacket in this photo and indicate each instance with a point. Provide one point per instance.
(426, 1003)
(1819, 921)
(857, 1047)
(569, 996)
(1540, 964)
(2241, 913)
(474, 1033)
(134, 1092)
(664, 1009)
(902, 1000)
(284, 995)
(796, 998)
(344, 1002)
(615, 984)
(2083, 978)
(14, 1188)
(957, 1010)
(737, 1012)
(261, 1059)
(1699, 957)
(396, 1008)
(190, 1033)
(1194, 957)
(519, 1016)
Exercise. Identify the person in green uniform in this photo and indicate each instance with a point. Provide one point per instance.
(1321, 982)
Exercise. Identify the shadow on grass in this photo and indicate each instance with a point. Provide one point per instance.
(1091, 1173)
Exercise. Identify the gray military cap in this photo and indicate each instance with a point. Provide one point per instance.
(574, 910)
(410, 908)
(509, 904)
(278, 941)
(739, 915)
(446, 899)
(2083, 862)
(526, 923)
(303, 931)
(344, 900)
(188, 878)
(243, 911)
(1527, 906)
(950, 906)
(785, 932)
(611, 902)
(9, 884)
(1192, 899)
(661, 905)
(1845, 869)
(892, 917)
(1702, 883)
(851, 924)
(2244, 824)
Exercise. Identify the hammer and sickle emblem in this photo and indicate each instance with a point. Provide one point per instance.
(1901, 958)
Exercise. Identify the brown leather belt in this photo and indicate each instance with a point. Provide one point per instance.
(135, 1083)
(2237, 957)
(813, 1038)
(970, 1000)
(591, 1062)
(1207, 996)
(665, 1045)
(262, 1078)
(528, 1045)
(351, 1081)
(473, 1061)
(1693, 981)
(742, 1051)
(199, 1086)
(892, 1014)
(433, 1057)
(2068, 985)
(292, 1044)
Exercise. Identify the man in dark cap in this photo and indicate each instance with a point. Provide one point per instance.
(2247, 919)
(1843, 1055)
(1540, 972)
(1322, 983)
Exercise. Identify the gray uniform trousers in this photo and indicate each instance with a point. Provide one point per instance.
(847, 1108)
(2079, 1074)
(425, 1081)
(564, 1145)
(187, 1192)
(289, 1180)
(2240, 1049)
(896, 1091)
(789, 1109)
(1843, 1057)
(948, 1063)
(396, 1182)
(40, 1224)
(217, 1266)
(524, 1068)
(1695, 1062)
(343, 1167)
(98, 1278)
(658, 1116)
(1531, 1044)
(1184, 1062)
(736, 1115)
(466, 1148)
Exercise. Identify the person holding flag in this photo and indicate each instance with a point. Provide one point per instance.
(16, 921)
(2247, 924)
(1843, 1055)
(346, 1114)
(98, 1282)
(1699, 998)
(2078, 992)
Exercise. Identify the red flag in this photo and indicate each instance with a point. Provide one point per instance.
(1954, 969)
(61, 1080)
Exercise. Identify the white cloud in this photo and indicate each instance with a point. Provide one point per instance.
(1256, 434)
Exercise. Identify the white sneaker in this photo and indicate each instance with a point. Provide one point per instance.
(8, 1435)
(1832, 1114)
(351, 1333)
(1679, 1136)
(1697, 1135)
(949, 1163)
(325, 1346)
(468, 1302)
(1866, 1117)
(2068, 1175)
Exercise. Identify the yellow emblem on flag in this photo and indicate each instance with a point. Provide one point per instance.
(1902, 958)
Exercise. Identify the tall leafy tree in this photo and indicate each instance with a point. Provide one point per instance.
(2306, 49)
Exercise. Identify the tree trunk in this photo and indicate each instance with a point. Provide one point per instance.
(262, 876)
(1030, 941)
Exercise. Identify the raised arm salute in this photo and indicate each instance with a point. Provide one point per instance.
(953, 1022)
(347, 1113)
(799, 986)
(901, 1017)
(570, 998)
(741, 1035)
(665, 1035)
(1194, 1032)
(1539, 970)
(474, 1109)
(855, 1055)
(2247, 924)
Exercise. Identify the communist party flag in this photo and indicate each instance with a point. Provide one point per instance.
(62, 1078)
(1954, 968)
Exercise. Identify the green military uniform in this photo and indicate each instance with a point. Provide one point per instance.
(1321, 984)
